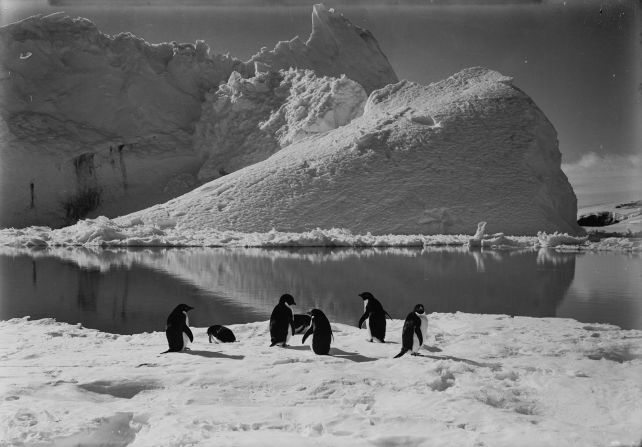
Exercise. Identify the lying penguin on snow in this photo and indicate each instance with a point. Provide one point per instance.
(220, 334)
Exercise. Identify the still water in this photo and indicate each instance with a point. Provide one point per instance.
(132, 290)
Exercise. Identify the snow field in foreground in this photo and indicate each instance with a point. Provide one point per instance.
(482, 380)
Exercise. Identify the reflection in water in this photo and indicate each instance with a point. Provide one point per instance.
(125, 290)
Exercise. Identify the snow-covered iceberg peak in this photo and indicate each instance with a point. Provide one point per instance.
(335, 47)
(420, 160)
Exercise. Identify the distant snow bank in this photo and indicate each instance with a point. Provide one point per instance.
(106, 232)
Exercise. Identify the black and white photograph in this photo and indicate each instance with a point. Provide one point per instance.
(363, 223)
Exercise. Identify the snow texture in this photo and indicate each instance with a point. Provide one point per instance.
(95, 124)
(247, 120)
(481, 380)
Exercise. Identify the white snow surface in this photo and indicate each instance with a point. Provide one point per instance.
(481, 380)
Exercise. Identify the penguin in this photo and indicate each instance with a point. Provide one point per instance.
(375, 317)
(177, 330)
(221, 333)
(414, 331)
(282, 321)
(301, 323)
(321, 332)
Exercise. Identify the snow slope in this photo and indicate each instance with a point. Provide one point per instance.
(431, 159)
(483, 380)
(94, 124)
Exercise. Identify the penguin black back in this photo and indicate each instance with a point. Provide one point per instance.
(375, 315)
(221, 333)
(282, 321)
(321, 332)
(412, 328)
(177, 328)
(301, 323)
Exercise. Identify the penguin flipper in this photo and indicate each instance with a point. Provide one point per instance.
(306, 335)
(419, 336)
(362, 319)
(188, 331)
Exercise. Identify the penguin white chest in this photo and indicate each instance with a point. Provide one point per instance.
(289, 333)
(424, 331)
(186, 340)
(365, 307)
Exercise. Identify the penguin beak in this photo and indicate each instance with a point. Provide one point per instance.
(189, 308)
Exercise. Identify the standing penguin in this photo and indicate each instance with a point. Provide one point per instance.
(177, 329)
(414, 331)
(321, 332)
(282, 321)
(374, 316)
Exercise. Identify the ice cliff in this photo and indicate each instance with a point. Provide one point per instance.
(95, 124)
(421, 159)
(92, 124)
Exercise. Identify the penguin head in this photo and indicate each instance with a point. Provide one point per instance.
(366, 295)
(419, 309)
(316, 313)
(183, 308)
(287, 299)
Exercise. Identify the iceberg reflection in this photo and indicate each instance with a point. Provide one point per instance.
(132, 290)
